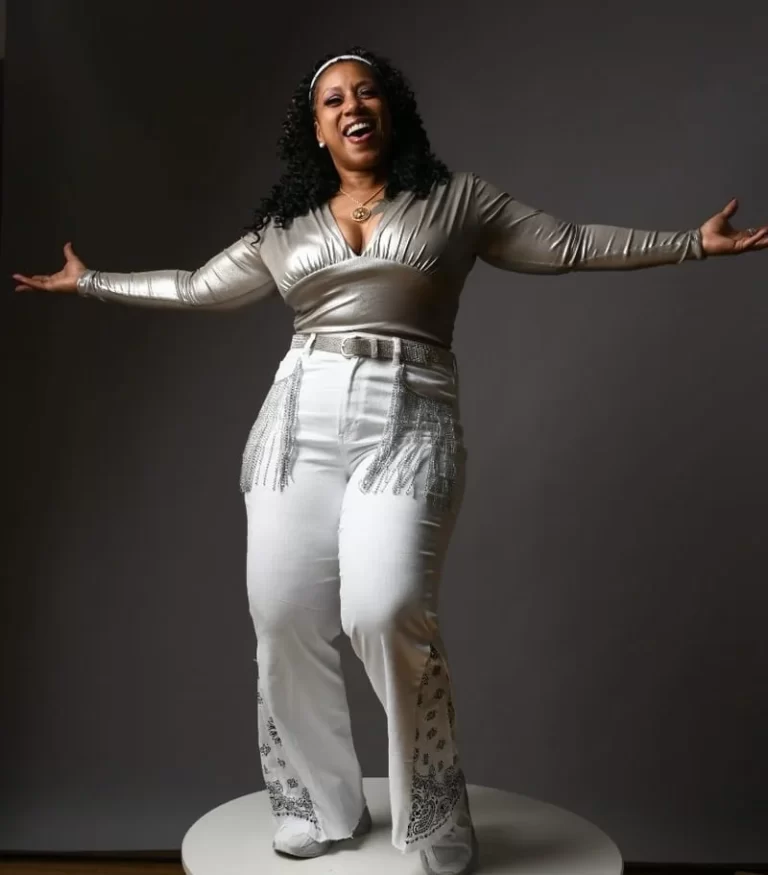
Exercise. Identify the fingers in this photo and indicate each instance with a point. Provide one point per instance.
(38, 281)
(759, 240)
(756, 240)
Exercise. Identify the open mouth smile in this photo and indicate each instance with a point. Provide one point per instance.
(359, 131)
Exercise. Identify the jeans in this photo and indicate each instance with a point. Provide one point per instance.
(353, 476)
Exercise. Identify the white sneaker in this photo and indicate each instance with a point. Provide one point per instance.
(292, 838)
(456, 852)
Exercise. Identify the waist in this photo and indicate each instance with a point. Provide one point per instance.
(353, 343)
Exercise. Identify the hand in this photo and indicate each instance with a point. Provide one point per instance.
(719, 238)
(63, 281)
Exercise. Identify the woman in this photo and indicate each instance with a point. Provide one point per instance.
(353, 473)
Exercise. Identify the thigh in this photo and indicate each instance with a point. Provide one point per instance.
(392, 537)
(292, 564)
(392, 549)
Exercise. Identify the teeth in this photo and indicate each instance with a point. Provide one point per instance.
(357, 126)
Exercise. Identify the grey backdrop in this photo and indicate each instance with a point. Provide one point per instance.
(605, 593)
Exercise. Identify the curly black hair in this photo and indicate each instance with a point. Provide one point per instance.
(310, 178)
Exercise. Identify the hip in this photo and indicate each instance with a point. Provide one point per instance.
(394, 401)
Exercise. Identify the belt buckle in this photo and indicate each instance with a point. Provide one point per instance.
(373, 346)
(343, 349)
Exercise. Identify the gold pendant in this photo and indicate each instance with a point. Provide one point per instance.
(360, 214)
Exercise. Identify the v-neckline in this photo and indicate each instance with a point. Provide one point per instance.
(374, 235)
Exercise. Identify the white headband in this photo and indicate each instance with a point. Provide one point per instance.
(333, 61)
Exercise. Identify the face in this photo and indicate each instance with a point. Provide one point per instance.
(346, 93)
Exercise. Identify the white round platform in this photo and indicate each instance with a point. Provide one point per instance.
(516, 835)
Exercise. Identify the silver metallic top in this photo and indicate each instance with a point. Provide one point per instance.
(408, 278)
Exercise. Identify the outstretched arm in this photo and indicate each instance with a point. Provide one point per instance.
(513, 236)
(233, 278)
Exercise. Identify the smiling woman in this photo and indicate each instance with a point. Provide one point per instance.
(353, 121)
(354, 471)
(352, 138)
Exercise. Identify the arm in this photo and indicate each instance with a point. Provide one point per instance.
(513, 236)
(232, 278)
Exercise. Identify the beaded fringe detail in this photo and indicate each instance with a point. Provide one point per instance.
(403, 445)
(399, 455)
(274, 428)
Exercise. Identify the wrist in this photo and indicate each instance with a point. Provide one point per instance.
(82, 283)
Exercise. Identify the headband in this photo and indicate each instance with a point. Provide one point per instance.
(333, 61)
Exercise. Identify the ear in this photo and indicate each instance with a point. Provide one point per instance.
(317, 132)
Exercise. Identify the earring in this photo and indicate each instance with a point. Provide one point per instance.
(322, 145)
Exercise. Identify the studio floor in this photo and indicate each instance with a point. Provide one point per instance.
(70, 866)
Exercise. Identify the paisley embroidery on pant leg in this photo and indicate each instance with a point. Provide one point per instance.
(438, 780)
(274, 428)
(403, 445)
(287, 796)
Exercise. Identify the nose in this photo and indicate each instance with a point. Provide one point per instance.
(351, 104)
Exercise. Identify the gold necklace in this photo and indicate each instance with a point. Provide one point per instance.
(361, 213)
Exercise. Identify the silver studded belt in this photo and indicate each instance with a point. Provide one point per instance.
(411, 351)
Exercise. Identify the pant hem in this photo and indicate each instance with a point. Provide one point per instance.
(318, 834)
(426, 841)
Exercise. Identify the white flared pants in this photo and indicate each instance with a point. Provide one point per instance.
(353, 477)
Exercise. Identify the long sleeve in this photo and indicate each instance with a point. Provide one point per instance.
(233, 278)
(513, 236)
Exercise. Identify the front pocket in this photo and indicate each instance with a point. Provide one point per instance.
(435, 381)
(287, 364)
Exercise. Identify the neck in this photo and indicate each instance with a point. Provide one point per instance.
(361, 181)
